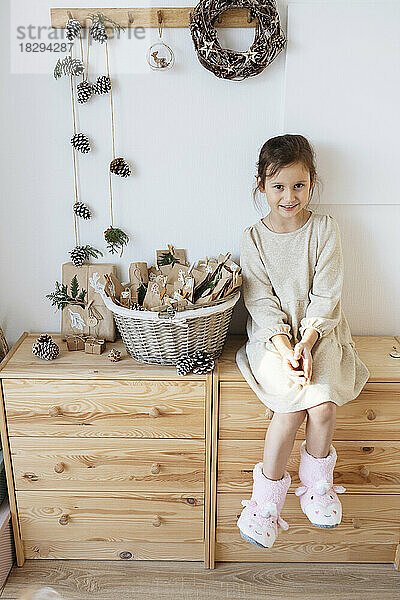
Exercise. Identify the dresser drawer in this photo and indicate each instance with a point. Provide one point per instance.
(108, 465)
(374, 414)
(369, 532)
(362, 466)
(102, 524)
(123, 408)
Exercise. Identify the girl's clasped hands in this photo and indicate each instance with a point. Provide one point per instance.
(298, 363)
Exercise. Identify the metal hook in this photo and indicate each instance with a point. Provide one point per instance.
(160, 20)
(130, 18)
(219, 19)
(69, 14)
(249, 17)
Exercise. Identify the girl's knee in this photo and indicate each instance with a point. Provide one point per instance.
(322, 412)
(293, 419)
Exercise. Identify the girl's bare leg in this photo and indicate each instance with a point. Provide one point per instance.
(320, 425)
(279, 442)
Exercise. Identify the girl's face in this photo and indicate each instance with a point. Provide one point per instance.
(290, 187)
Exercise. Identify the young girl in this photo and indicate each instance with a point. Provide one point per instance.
(299, 358)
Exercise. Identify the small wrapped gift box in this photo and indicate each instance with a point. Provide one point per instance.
(75, 342)
(94, 346)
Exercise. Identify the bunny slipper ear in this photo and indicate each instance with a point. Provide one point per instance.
(283, 524)
(322, 487)
(300, 490)
(339, 489)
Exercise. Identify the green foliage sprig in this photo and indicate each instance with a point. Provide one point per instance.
(102, 17)
(116, 239)
(61, 298)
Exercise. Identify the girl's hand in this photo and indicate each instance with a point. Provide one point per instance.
(292, 367)
(302, 352)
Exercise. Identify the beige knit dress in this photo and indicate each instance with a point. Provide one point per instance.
(292, 281)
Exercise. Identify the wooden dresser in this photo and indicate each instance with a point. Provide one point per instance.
(367, 440)
(105, 460)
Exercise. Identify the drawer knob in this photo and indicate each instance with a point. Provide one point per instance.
(364, 471)
(269, 413)
(371, 415)
(156, 521)
(154, 412)
(59, 467)
(55, 411)
(30, 476)
(64, 520)
(356, 524)
(155, 468)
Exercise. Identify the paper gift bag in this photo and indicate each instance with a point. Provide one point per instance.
(94, 319)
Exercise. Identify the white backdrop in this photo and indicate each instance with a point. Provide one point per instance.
(193, 141)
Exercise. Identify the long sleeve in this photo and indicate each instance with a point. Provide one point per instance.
(258, 295)
(323, 312)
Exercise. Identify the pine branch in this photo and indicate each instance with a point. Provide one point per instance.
(61, 298)
(74, 287)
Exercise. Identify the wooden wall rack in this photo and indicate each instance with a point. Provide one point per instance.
(149, 16)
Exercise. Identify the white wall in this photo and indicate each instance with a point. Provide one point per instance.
(193, 140)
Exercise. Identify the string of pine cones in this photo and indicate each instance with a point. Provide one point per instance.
(82, 92)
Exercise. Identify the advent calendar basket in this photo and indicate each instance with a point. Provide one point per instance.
(164, 337)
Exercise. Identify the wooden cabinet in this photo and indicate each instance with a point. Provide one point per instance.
(105, 460)
(367, 440)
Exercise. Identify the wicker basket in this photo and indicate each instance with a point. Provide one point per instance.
(162, 338)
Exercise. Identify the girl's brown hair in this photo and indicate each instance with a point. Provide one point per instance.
(282, 151)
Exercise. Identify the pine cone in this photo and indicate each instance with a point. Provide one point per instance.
(72, 66)
(120, 167)
(45, 347)
(72, 29)
(80, 142)
(78, 255)
(98, 32)
(81, 210)
(137, 306)
(84, 90)
(202, 362)
(184, 365)
(102, 85)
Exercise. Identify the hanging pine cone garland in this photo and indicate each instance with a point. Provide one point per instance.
(84, 91)
(202, 362)
(82, 211)
(80, 142)
(72, 29)
(102, 85)
(184, 365)
(120, 167)
(68, 66)
(98, 32)
(45, 347)
(81, 254)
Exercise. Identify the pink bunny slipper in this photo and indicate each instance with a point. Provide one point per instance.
(259, 520)
(318, 498)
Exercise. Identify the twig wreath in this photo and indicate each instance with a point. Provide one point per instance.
(268, 42)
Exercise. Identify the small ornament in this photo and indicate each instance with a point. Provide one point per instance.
(84, 91)
(114, 355)
(202, 362)
(184, 365)
(45, 347)
(160, 56)
(80, 142)
(94, 346)
(116, 239)
(102, 85)
(61, 297)
(81, 254)
(75, 342)
(82, 211)
(72, 29)
(120, 167)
